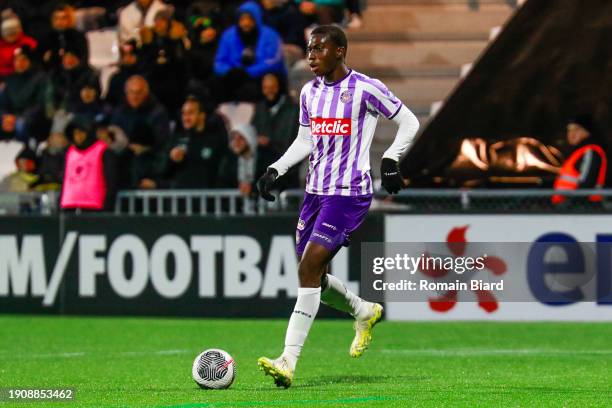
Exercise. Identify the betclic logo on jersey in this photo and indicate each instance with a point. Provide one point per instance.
(330, 126)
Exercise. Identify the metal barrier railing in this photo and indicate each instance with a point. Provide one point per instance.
(231, 202)
(188, 202)
(40, 203)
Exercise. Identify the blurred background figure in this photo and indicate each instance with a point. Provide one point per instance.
(290, 23)
(204, 40)
(129, 64)
(67, 80)
(90, 177)
(137, 15)
(145, 123)
(24, 177)
(247, 51)
(195, 153)
(163, 54)
(276, 116)
(12, 39)
(22, 104)
(586, 166)
(51, 163)
(63, 35)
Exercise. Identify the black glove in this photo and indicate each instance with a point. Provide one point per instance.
(265, 183)
(391, 177)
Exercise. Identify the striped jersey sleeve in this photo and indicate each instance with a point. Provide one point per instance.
(381, 99)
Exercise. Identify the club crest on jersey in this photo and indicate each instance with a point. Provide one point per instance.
(330, 127)
(346, 96)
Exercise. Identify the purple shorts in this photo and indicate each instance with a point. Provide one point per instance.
(329, 220)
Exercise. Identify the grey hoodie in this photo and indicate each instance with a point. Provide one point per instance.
(246, 165)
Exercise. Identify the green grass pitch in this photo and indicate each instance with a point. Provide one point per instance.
(130, 362)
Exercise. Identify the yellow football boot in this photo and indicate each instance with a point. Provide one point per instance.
(279, 369)
(363, 331)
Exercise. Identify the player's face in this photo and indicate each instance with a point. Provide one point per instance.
(323, 55)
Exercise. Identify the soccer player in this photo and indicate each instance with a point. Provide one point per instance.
(338, 114)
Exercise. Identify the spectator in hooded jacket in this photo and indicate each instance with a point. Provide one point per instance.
(250, 161)
(22, 104)
(12, 39)
(247, 51)
(62, 36)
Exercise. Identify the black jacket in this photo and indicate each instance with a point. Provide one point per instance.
(204, 153)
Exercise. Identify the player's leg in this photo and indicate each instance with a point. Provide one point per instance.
(311, 268)
(333, 291)
(282, 368)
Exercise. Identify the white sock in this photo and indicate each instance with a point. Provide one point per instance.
(304, 312)
(336, 295)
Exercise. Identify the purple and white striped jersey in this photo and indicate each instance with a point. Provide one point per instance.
(342, 117)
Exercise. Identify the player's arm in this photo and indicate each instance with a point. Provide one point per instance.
(298, 151)
(408, 126)
(388, 105)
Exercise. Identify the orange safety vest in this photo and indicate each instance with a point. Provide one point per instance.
(569, 176)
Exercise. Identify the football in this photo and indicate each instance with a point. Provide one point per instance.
(214, 369)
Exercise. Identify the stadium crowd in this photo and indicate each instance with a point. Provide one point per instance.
(154, 123)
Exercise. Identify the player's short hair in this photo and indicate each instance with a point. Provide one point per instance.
(334, 33)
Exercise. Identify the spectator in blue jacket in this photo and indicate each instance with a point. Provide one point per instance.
(247, 51)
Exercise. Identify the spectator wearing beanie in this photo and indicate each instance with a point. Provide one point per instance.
(12, 39)
(22, 104)
(586, 166)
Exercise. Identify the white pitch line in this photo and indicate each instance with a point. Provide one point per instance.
(492, 352)
(93, 353)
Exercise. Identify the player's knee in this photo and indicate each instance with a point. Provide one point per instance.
(309, 272)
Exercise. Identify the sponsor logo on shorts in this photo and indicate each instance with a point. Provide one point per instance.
(301, 224)
(330, 126)
(330, 226)
(323, 237)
